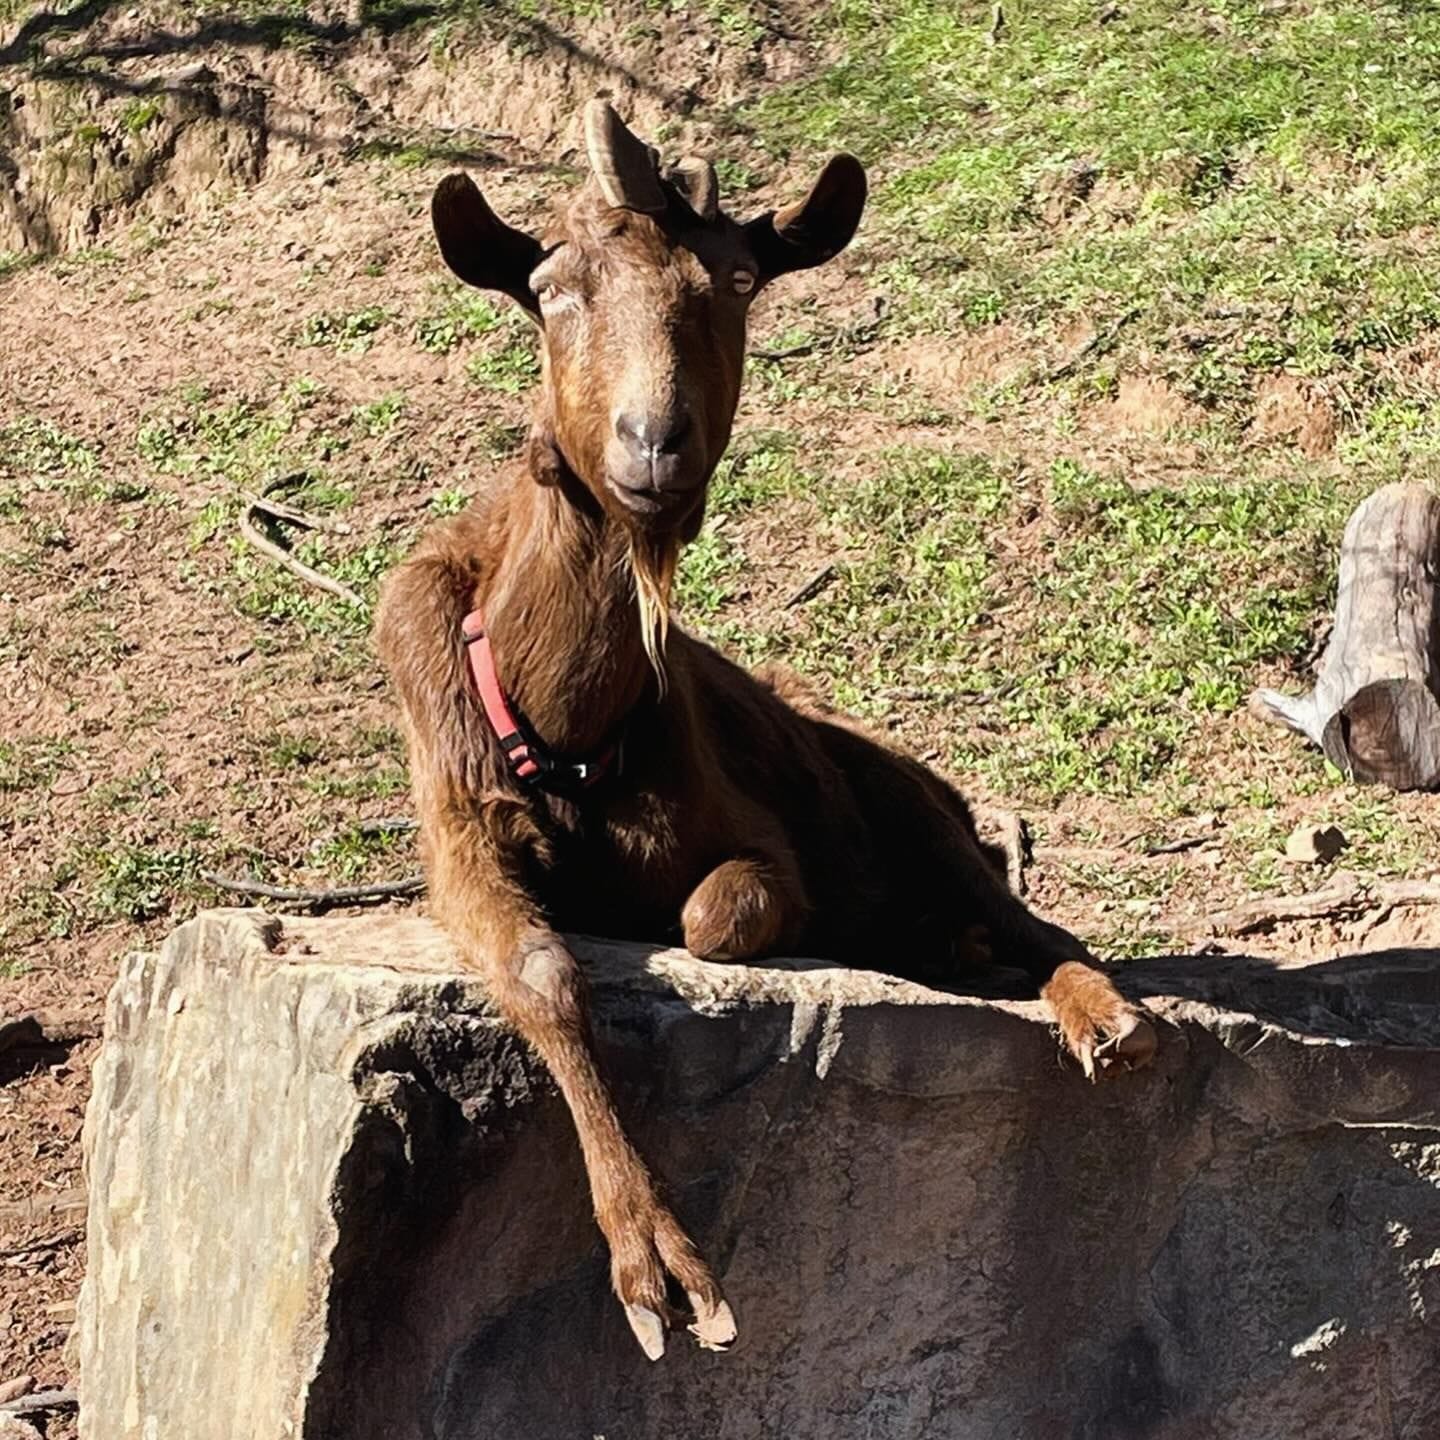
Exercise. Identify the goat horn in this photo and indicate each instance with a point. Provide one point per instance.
(695, 179)
(624, 165)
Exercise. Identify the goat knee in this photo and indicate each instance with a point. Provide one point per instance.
(540, 989)
(738, 911)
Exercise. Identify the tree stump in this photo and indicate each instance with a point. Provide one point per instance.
(1373, 710)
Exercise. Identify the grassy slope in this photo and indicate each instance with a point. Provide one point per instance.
(1208, 197)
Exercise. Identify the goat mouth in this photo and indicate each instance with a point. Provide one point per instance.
(652, 502)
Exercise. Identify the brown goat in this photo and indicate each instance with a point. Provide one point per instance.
(651, 789)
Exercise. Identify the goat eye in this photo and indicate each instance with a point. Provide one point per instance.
(743, 281)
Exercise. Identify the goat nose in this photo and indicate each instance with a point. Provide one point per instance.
(651, 436)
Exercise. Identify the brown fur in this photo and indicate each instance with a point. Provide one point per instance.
(747, 820)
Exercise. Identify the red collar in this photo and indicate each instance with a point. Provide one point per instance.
(529, 760)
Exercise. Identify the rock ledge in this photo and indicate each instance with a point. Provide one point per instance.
(331, 1197)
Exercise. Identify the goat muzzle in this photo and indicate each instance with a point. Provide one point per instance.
(650, 461)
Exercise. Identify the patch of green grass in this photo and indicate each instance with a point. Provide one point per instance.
(41, 456)
(289, 751)
(240, 441)
(760, 467)
(140, 113)
(356, 852)
(1146, 620)
(379, 417)
(276, 597)
(1254, 185)
(460, 315)
(38, 450)
(448, 502)
(126, 792)
(32, 764)
(510, 368)
(1099, 658)
(381, 784)
(134, 882)
(351, 332)
(12, 262)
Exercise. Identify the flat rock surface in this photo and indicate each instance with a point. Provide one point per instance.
(332, 1197)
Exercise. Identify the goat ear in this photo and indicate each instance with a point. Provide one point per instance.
(480, 247)
(816, 229)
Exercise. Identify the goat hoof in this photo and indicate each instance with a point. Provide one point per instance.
(714, 1327)
(1132, 1045)
(649, 1330)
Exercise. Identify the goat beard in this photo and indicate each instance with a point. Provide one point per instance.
(653, 561)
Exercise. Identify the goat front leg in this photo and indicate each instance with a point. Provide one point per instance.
(743, 908)
(1097, 1024)
(538, 988)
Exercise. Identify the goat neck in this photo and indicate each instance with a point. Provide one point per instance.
(562, 617)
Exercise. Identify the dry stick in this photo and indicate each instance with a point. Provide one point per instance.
(340, 895)
(812, 587)
(282, 557)
(303, 518)
(40, 1402)
(262, 504)
(1015, 841)
(1174, 847)
(1100, 341)
(1346, 895)
(39, 1247)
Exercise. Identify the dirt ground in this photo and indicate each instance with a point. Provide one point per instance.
(268, 309)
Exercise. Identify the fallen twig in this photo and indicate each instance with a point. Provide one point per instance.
(1099, 342)
(1015, 841)
(1174, 847)
(411, 886)
(387, 825)
(287, 561)
(791, 352)
(261, 504)
(1345, 895)
(40, 1402)
(303, 518)
(37, 1247)
(812, 587)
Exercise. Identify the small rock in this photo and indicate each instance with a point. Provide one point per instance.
(1315, 844)
(14, 1389)
(12, 1427)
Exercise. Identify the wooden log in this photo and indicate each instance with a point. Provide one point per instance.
(1374, 710)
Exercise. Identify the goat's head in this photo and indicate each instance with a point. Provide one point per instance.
(641, 288)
